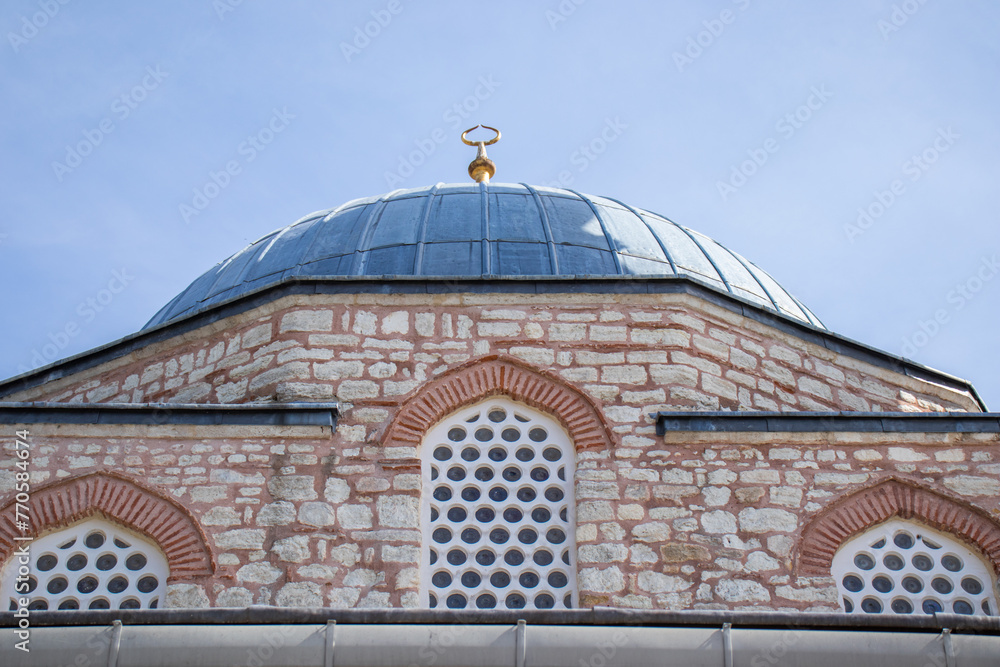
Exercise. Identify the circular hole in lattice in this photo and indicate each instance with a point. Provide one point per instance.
(456, 434)
(542, 557)
(456, 473)
(486, 557)
(38, 605)
(963, 607)
(903, 540)
(68, 605)
(470, 454)
(871, 606)
(500, 579)
(951, 562)
(434, 473)
(498, 454)
(57, 585)
(486, 601)
(484, 434)
(457, 514)
(540, 515)
(515, 601)
(471, 535)
(864, 561)
(442, 453)
(893, 562)
(882, 584)
(527, 536)
(511, 435)
(485, 514)
(434, 514)
(95, 540)
(554, 494)
(544, 601)
(551, 454)
(558, 579)
(484, 474)
(538, 434)
(498, 494)
(76, 562)
(441, 535)
(129, 603)
(106, 562)
(497, 415)
(46, 562)
(511, 474)
(471, 579)
(457, 601)
(441, 579)
(539, 474)
(471, 494)
(848, 606)
(119, 584)
(972, 586)
(931, 606)
(524, 455)
(555, 536)
(901, 606)
(912, 585)
(442, 493)
(99, 603)
(942, 585)
(922, 562)
(147, 584)
(434, 556)
(456, 557)
(853, 583)
(514, 557)
(526, 494)
(512, 515)
(499, 536)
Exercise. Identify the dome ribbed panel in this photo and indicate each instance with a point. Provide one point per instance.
(483, 231)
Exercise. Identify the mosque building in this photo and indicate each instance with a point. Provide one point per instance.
(588, 433)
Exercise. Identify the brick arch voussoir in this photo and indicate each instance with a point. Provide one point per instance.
(824, 535)
(494, 376)
(120, 499)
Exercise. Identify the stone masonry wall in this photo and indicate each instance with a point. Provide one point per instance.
(630, 354)
(295, 517)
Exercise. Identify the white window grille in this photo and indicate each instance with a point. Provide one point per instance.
(90, 565)
(906, 568)
(498, 511)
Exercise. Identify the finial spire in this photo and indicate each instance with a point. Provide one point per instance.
(482, 168)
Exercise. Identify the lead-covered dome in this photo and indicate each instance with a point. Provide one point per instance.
(483, 231)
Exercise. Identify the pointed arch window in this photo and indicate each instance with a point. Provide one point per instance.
(93, 564)
(498, 512)
(904, 567)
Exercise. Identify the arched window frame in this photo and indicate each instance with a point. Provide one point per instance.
(498, 510)
(905, 567)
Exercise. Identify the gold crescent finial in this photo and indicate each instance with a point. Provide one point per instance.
(485, 143)
(482, 168)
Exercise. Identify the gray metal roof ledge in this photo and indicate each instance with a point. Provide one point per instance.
(201, 414)
(576, 638)
(790, 422)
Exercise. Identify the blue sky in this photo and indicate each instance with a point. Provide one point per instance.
(850, 149)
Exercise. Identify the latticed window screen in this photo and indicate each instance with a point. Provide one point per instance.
(90, 565)
(906, 568)
(498, 511)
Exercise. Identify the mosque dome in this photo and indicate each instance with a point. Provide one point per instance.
(483, 231)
